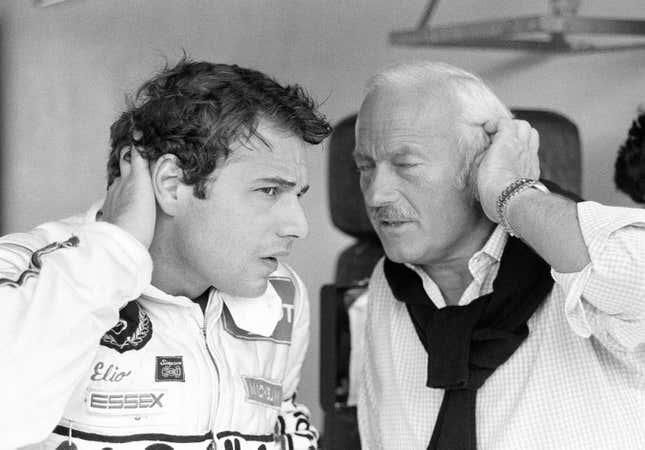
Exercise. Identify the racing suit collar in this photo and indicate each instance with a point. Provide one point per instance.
(257, 315)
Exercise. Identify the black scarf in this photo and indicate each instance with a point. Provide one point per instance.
(465, 344)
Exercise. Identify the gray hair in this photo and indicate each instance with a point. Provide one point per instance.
(476, 101)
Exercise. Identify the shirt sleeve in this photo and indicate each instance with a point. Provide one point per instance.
(606, 299)
(60, 292)
(294, 423)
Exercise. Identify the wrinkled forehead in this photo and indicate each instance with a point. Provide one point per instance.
(389, 116)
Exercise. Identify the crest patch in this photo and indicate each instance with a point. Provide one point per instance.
(132, 331)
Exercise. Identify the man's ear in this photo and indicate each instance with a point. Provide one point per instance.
(167, 181)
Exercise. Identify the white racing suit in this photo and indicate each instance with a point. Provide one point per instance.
(85, 366)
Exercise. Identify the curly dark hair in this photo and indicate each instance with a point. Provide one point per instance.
(195, 110)
(629, 174)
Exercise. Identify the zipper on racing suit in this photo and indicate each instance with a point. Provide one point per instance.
(204, 329)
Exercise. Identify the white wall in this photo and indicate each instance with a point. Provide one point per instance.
(65, 70)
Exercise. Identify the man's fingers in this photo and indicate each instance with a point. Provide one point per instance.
(497, 125)
(139, 163)
(534, 140)
(124, 161)
(490, 127)
(523, 130)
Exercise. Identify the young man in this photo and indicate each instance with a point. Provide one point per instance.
(475, 338)
(163, 315)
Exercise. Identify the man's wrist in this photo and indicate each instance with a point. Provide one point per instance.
(522, 187)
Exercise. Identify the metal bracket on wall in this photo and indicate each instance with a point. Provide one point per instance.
(560, 31)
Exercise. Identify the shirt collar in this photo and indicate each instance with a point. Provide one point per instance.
(492, 249)
(482, 265)
(489, 254)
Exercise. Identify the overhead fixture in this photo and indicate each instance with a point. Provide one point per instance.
(563, 30)
(47, 2)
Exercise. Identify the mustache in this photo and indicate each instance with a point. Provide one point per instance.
(391, 213)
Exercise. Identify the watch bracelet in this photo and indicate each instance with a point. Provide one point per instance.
(509, 192)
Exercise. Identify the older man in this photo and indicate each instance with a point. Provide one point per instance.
(503, 316)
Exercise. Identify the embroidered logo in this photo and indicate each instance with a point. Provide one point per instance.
(263, 392)
(132, 331)
(169, 368)
(111, 373)
(35, 262)
(119, 403)
(282, 332)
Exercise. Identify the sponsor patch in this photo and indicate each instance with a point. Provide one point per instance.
(118, 403)
(263, 392)
(169, 368)
(132, 331)
(282, 332)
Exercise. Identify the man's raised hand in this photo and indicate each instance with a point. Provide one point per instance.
(512, 154)
(130, 202)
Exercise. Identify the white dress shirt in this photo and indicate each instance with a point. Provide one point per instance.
(577, 381)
